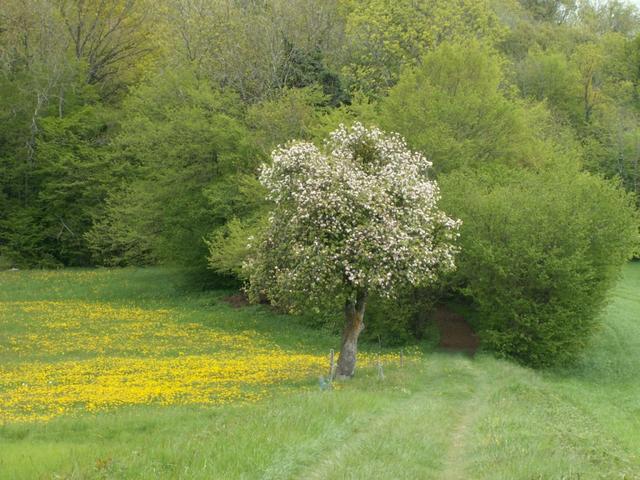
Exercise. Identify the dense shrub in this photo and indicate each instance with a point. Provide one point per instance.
(399, 320)
(230, 245)
(539, 251)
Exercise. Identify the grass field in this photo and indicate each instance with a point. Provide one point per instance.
(118, 374)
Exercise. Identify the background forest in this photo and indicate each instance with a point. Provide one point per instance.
(132, 131)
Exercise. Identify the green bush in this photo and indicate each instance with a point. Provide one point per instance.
(539, 253)
(230, 245)
(399, 320)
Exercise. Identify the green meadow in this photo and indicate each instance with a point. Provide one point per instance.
(439, 415)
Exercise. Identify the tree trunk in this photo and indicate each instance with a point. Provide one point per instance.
(354, 324)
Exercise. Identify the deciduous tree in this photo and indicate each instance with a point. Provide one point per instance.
(356, 217)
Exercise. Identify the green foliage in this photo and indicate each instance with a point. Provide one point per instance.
(610, 16)
(187, 150)
(230, 246)
(556, 11)
(75, 172)
(587, 77)
(539, 252)
(306, 69)
(401, 320)
(385, 37)
(63, 190)
(550, 76)
(53, 168)
(291, 115)
(124, 234)
(238, 205)
(454, 108)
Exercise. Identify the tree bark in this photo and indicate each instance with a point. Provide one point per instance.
(354, 324)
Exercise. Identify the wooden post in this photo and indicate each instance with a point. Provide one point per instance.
(402, 358)
(380, 372)
(332, 366)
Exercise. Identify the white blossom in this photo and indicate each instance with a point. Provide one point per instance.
(359, 213)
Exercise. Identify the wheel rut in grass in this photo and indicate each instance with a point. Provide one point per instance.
(350, 445)
(455, 462)
(414, 412)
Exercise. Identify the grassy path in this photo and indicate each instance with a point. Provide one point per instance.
(406, 438)
(456, 459)
(336, 456)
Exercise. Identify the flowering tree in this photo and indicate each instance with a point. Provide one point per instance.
(356, 217)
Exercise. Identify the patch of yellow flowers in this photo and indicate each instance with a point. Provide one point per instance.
(63, 328)
(71, 357)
